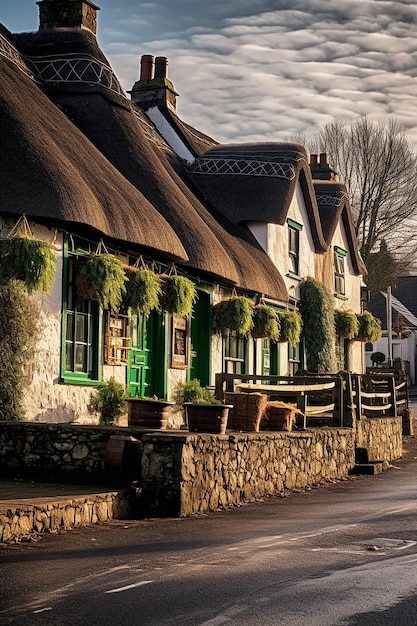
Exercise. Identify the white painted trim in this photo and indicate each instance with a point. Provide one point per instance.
(169, 134)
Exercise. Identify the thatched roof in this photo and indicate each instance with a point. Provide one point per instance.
(196, 141)
(118, 150)
(333, 203)
(232, 176)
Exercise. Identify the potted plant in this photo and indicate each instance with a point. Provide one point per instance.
(148, 412)
(100, 277)
(109, 400)
(346, 324)
(234, 313)
(178, 295)
(143, 290)
(377, 358)
(265, 323)
(203, 412)
(369, 328)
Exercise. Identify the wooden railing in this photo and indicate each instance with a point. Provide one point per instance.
(326, 399)
(317, 397)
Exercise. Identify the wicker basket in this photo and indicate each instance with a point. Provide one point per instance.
(247, 410)
(279, 416)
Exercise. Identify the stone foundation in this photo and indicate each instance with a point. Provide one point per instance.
(24, 519)
(186, 474)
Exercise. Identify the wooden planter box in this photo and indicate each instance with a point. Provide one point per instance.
(207, 418)
(148, 413)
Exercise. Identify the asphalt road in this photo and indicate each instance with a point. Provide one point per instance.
(343, 553)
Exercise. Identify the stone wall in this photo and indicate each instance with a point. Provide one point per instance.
(185, 474)
(55, 452)
(379, 439)
(57, 514)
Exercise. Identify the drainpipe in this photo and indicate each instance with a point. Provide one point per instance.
(389, 326)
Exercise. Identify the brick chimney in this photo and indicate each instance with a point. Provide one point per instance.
(153, 87)
(320, 169)
(68, 14)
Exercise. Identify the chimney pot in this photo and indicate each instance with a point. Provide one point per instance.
(313, 159)
(323, 157)
(146, 67)
(161, 67)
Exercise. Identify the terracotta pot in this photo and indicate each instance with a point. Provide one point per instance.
(148, 413)
(207, 418)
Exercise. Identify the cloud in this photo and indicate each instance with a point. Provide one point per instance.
(255, 70)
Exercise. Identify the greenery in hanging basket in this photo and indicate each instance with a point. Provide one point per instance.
(346, 324)
(235, 313)
(143, 290)
(100, 277)
(369, 328)
(178, 296)
(317, 312)
(265, 323)
(29, 260)
(291, 327)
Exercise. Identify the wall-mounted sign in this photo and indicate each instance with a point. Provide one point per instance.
(179, 345)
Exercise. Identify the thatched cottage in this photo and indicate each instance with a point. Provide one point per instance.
(94, 170)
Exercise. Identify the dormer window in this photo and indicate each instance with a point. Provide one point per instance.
(294, 229)
(339, 270)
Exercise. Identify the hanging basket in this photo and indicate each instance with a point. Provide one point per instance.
(369, 328)
(100, 277)
(235, 313)
(265, 323)
(291, 326)
(346, 324)
(178, 296)
(24, 258)
(143, 290)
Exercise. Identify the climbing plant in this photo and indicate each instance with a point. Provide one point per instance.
(317, 312)
(19, 319)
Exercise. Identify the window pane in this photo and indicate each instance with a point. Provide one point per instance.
(69, 357)
(81, 328)
(80, 358)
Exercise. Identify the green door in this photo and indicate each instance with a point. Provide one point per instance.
(147, 356)
(201, 339)
(140, 355)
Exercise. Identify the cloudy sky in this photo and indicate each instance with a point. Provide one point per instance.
(257, 70)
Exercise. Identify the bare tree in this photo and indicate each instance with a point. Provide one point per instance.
(376, 162)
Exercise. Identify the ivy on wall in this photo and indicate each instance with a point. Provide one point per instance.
(317, 312)
(18, 333)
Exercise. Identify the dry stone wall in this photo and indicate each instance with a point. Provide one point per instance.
(379, 438)
(188, 474)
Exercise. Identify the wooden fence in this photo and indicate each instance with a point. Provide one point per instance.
(334, 400)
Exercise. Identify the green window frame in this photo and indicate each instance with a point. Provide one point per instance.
(339, 271)
(294, 359)
(294, 229)
(235, 352)
(81, 330)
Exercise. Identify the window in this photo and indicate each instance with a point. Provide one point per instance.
(234, 353)
(81, 330)
(339, 270)
(293, 359)
(294, 246)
